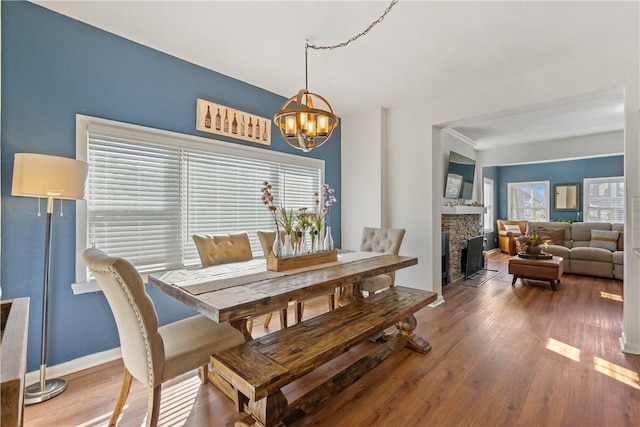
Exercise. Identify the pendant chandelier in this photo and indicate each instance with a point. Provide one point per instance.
(306, 120)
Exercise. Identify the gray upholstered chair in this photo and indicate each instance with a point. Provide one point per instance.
(226, 248)
(152, 354)
(383, 240)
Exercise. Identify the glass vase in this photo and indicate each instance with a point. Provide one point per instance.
(277, 245)
(328, 240)
(320, 239)
(304, 243)
(287, 250)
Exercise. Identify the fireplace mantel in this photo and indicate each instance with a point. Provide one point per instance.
(463, 210)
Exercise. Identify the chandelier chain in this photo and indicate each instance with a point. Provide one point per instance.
(357, 36)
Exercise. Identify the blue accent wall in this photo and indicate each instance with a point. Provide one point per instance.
(565, 172)
(54, 67)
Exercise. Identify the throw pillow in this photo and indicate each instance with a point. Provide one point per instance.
(512, 227)
(604, 239)
(620, 241)
(556, 235)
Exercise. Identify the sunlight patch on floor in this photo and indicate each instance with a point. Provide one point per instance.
(177, 402)
(617, 372)
(563, 349)
(101, 420)
(614, 297)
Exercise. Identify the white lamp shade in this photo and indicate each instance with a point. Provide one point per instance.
(40, 175)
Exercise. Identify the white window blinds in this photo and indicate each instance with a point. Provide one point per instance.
(604, 199)
(148, 192)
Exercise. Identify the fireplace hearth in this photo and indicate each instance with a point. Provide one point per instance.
(461, 228)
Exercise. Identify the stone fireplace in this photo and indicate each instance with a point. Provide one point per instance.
(461, 227)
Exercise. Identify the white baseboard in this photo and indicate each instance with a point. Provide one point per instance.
(628, 347)
(437, 302)
(75, 365)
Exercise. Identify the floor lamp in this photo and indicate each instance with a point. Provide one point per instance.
(49, 177)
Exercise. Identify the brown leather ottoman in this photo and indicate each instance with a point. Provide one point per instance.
(533, 268)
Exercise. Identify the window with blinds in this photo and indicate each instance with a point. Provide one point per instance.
(149, 191)
(604, 199)
(528, 200)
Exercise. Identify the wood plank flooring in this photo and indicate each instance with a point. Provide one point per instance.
(502, 356)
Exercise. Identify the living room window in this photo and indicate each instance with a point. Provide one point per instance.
(487, 197)
(604, 199)
(528, 200)
(149, 191)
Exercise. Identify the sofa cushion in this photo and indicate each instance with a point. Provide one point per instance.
(581, 232)
(604, 239)
(558, 250)
(592, 254)
(556, 235)
(618, 257)
(536, 226)
(620, 242)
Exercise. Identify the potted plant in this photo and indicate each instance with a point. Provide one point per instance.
(532, 242)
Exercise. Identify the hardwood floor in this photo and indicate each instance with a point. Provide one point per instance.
(502, 356)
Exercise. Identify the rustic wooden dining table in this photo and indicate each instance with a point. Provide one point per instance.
(239, 291)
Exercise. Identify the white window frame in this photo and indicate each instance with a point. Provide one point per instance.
(586, 198)
(84, 123)
(489, 217)
(514, 185)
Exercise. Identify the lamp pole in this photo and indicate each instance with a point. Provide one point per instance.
(45, 389)
(50, 177)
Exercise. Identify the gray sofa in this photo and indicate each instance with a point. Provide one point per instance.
(579, 257)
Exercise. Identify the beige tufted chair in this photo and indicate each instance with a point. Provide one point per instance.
(226, 248)
(266, 240)
(152, 354)
(223, 248)
(383, 240)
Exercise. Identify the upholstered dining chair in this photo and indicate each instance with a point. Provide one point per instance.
(266, 241)
(382, 240)
(226, 248)
(152, 354)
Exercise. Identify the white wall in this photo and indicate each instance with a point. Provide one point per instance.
(415, 168)
(363, 202)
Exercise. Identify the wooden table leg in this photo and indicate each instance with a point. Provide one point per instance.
(349, 293)
(241, 325)
(414, 342)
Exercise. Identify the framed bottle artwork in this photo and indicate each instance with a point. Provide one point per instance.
(222, 120)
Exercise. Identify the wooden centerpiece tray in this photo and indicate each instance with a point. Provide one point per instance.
(300, 261)
(543, 255)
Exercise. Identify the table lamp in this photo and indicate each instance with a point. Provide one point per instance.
(49, 177)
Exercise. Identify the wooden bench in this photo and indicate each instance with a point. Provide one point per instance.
(259, 368)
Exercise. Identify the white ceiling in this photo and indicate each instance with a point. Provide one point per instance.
(422, 49)
(562, 118)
